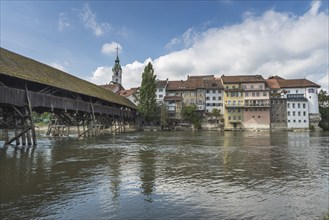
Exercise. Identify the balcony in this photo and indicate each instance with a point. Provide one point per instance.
(241, 105)
(263, 105)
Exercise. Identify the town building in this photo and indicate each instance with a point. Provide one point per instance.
(247, 102)
(161, 86)
(233, 103)
(214, 94)
(302, 100)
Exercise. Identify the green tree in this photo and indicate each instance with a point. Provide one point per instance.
(147, 102)
(324, 109)
(190, 114)
(323, 98)
(163, 115)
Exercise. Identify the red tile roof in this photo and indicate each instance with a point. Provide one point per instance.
(185, 85)
(126, 93)
(297, 83)
(273, 83)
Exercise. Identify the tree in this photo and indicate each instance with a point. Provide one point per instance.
(190, 114)
(147, 102)
(324, 109)
(323, 98)
(163, 115)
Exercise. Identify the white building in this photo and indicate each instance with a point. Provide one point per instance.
(214, 95)
(302, 101)
(161, 86)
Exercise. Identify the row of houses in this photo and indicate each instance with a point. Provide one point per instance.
(245, 101)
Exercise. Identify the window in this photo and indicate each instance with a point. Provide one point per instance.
(213, 91)
(304, 106)
(264, 94)
(228, 110)
(252, 86)
(289, 121)
(213, 104)
(258, 116)
(296, 91)
(234, 117)
(160, 90)
(288, 105)
(304, 113)
(304, 121)
(213, 98)
(244, 87)
(293, 113)
(293, 105)
(208, 91)
(219, 98)
(299, 121)
(160, 96)
(298, 105)
(311, 90)
(239, 117)
(207, 98)
(294, 121)
(246, 94)
(253, 94)
(229, 117)
(298, 113)
(227, 87)
(288, 113)
(261, 86)
(257, 94)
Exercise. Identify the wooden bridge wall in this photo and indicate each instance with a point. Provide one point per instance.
(17, 97)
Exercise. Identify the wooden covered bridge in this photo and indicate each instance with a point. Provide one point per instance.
(28, 86)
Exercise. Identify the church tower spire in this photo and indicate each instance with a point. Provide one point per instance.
(117, 70)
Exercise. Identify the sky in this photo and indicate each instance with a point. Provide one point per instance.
(179, 38)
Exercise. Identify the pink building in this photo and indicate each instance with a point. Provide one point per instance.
(256, 114)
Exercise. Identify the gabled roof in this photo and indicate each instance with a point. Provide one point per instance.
(243, 79)
(296, 83)
(126, 93)
(18, 66)
(213, 84)
(273, 83)
(161, 83)
(115, 87)
(185, 85)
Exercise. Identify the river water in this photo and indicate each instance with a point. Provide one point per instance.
(169, 175)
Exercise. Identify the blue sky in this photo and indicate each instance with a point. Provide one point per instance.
(180, 38)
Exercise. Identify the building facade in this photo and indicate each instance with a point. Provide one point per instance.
(302, 100)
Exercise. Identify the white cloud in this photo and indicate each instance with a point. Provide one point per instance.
(315, 7)
(109, 48)
(88, 17)
(102, 75)
(63, 21)
(273, 43)
(62, 67)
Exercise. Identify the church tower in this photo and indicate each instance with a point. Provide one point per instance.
(117, 70)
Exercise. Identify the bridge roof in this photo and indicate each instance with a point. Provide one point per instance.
(15, 65)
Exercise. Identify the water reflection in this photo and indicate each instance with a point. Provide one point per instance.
(261, 175)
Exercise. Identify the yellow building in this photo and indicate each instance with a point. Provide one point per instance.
(233, 103)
